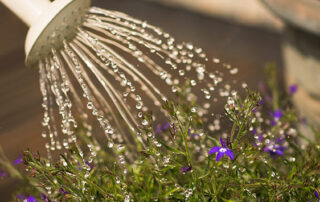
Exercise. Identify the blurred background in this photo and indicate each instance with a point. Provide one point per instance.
(242, 33)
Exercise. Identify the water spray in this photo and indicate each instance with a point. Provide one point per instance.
(107, 67)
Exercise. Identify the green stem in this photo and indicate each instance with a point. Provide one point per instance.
(184, 137)
(187, 149)
(233, 130)
(238, 137)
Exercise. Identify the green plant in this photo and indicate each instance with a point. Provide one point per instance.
(260, 159)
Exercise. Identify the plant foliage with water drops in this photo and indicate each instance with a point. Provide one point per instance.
(260, 158)
(106, 90)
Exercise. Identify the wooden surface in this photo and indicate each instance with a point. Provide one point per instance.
(304, 14)
(249, 12)
(248, 48)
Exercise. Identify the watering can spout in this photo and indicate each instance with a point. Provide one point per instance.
(49, 22)
(27, 10)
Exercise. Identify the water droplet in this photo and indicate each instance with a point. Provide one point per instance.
(127, 198)
(44, 134)
(139, 105)
(145, 122)
(110, 144)
(163, 75)
(90, 105)
(174, 89)
(234, 71)
(193, 83)
(244, 85)
(181, 72)
(216, 60)
(193, 109)
(125, 94)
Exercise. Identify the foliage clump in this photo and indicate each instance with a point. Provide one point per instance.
(259, 159)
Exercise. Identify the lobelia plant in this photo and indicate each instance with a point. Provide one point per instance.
(259, 159)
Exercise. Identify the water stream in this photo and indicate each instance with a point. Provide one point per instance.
(115, 70)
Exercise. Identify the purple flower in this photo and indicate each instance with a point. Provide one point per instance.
(27, 199)
(275, 148)
(317, 195)
(254, 132)
(184, 169)
(258, 141)
(62, 191)
(161, 128)
(31, 199)
(3, 174)
(44, 197)
(277, 114)
(89, 164)
(86, 163)
(254, 110)
(273, 122)
(80, 166)
(20, 197)
(174, 129)
(223, 150)
(192, 135)
(165, 127)
(293, 89)
(18, 160)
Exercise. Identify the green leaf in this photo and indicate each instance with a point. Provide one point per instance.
(171, 148)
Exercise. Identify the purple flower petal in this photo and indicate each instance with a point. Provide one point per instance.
(277, 114)
(20, 197)
(165, 127)
(89, 164)
(18, 160)
(157, 130)
(279, 152)
(219, 155)
(44, 197)
(62, 191)
(214, 150)
(80, 167)
(184, 169)
(254, 110)
(293, 89)
(275, 149)
(261, 102)
(230, 154)
(254, 132)
(194, 135)
(223, 143)
(161, 128)
(317, 194)
(31, 199)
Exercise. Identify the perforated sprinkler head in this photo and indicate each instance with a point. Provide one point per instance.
(49, 22)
